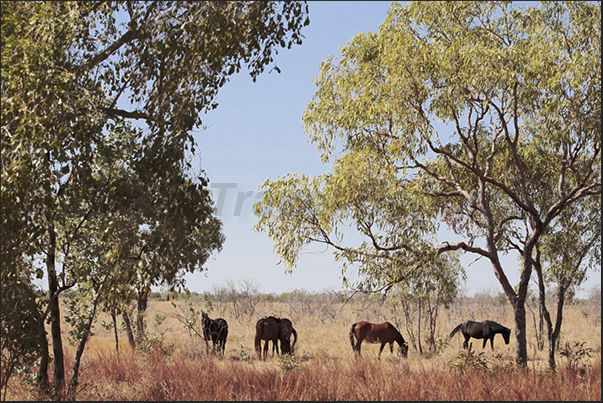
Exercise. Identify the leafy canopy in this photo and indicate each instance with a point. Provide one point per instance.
(483, 115)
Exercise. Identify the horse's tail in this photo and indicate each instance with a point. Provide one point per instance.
(352, 335)
(456, 329)
(294, 338)
(259, 331)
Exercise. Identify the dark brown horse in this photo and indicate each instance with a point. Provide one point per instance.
(481, 330)
(215, 330)
(285, 331)
(377, 333)
(266, 329)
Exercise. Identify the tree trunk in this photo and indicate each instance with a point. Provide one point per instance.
(55, 312)
(550, 333)
(142, 308)
(53, 286)
(44, 355)
(521, 350)
(114, 318)
(129, 333)
(540, 328)
(80, 349)
(419, 329)
(407, 318)
(554, 335)
(519, 300)
(433, 318)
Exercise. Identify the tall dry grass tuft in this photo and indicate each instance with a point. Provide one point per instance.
(157, 377)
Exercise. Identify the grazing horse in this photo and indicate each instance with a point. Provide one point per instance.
(481, 330)
(377, 333)
(215, 330)
(266, 329)
(286, 329)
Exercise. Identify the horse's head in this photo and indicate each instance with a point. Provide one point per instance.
(205, 321)
(404, 349)
(506, 335)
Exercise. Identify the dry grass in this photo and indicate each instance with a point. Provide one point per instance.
(324, 366)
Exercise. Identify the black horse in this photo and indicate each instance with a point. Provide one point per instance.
(215, 330)
(286, 329)
(481, 330)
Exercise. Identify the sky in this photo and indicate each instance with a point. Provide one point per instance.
(256, 134)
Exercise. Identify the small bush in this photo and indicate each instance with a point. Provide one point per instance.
(154, 342)
(576, 356)
(469, 360)
(287, 362)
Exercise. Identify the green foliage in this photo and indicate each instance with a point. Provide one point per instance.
(207, 303)
(502, 299)
(576, 356)
(243, 355)
(287, 362)
(154, 343)
(159, 318)
(442, 341)
(78, 317)
(468, 359)
(580, 227)
(20, 319)
(107, 325)
(190, 321)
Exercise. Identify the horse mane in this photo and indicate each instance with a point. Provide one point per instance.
(498, 326)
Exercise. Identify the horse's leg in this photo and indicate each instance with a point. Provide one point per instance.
(485, 341)
(391, 347)
(258, 347)
(492, 342)
(380, 350)
(266, 349)
(466, 342)
(358, 347)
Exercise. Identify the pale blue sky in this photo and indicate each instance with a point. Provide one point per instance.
(256, 134)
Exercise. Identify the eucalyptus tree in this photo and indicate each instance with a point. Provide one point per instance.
(76, 73)
(453, 112)
(562, 259)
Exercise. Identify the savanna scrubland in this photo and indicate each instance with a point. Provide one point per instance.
(174, 364)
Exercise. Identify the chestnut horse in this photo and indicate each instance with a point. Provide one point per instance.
(266, 329)
(215, 330)
(377, 333)
(481, 330)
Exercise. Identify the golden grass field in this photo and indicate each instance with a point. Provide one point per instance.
(324, 366)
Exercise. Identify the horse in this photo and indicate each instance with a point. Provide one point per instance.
(267, 329)
(377, 333)
(481, 330)
(215, 330)
(286, 329)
